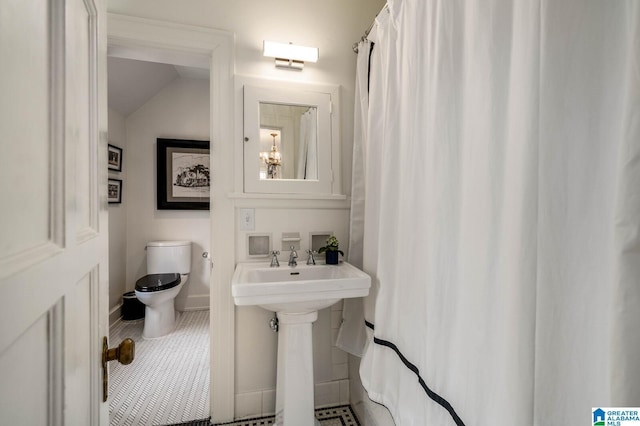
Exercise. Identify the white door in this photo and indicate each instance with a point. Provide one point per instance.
(53, 223)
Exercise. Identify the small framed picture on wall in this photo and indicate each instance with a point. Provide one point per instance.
(114, 191)
(115, 158)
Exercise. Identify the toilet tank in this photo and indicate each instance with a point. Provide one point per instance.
(168, 256)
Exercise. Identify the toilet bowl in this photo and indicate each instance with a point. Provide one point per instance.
(168, 267)
(158, 293)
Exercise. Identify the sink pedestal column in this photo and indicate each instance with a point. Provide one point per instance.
(295, 385)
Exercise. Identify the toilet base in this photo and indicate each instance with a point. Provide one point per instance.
(160, 321)
(160, 315)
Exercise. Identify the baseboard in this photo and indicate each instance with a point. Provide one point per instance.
(197, 303)
(115, 314)
(193, 303)
(263, 403)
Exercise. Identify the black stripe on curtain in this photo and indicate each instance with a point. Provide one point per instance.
(431, 394)
(369, 67)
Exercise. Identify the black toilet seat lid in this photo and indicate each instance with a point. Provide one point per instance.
(157, 282)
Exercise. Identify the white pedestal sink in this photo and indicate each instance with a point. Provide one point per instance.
(296, 294)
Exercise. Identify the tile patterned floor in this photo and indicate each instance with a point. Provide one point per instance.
(332, 416)
(168, 382)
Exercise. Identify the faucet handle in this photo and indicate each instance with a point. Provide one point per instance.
(311, 260)
(274, 259)
(292, 257)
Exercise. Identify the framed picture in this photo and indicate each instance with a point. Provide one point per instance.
(114, 191)
(183, 174)
(115, 158)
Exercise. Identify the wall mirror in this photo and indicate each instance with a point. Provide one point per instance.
(288, 141)
(290, 145)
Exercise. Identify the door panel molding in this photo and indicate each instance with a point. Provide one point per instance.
(42, 260)
(82, 120)
(55, 325)
(30, 293)
(14, 263)
(21, 366)
(57, 124)
(15, 259)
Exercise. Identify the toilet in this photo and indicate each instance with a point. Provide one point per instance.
(168, 267)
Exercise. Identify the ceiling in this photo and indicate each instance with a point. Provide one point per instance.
(131, 82)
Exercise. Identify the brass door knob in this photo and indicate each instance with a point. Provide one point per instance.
(124, 353)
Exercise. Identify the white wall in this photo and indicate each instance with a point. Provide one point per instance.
(117, 222)
(179, 111)
(332, 26)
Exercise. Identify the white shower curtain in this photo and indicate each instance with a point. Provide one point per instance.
(352, 335)
(497, 192)
(308, 146)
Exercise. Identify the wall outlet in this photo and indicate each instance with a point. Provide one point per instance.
(247, 219)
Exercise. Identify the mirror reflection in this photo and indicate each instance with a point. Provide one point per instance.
(288, 142)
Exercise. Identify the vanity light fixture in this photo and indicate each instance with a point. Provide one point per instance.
(289, 56)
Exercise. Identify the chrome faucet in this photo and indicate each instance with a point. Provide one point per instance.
(293, 256)
(274, 259)
(311, 260)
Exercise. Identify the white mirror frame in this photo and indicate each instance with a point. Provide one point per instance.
(326, 99)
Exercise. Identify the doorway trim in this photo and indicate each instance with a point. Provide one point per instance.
(146, 39)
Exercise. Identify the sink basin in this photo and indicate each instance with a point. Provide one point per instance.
(299, 289)
(296, 294)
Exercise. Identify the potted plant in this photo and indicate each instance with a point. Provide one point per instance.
(331, 250)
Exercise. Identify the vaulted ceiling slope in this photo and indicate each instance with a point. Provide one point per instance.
(132, 82)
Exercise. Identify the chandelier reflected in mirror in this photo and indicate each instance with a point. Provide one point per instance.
(273, 160)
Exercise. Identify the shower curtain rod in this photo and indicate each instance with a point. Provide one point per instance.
(366, 33)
